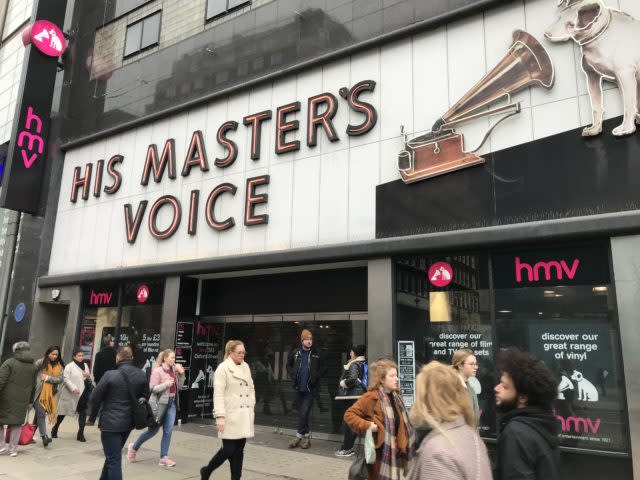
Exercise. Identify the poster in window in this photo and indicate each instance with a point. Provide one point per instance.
(204, 361)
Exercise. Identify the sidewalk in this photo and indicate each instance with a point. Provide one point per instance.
(266, 457)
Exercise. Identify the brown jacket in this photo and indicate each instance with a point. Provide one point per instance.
(459, 454)
(368, 409)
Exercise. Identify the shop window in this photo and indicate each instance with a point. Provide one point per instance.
(443, 305)
(142, 34)
(99, 318)
(216, 8)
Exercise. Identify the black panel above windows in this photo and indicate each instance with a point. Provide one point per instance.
(216, 8)
(143, 34)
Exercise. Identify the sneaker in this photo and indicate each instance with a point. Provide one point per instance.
(3, 449)
(166, 462)
(295, 441)
(306, 443)
(131, 453)
(13, 454)
(345, 453)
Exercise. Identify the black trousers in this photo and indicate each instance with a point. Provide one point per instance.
(232, 450)
(82, 420)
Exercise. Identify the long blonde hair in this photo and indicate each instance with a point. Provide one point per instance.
(460, 356)
(162, 355)
(378, 370)
(231, 346)
(440, 397)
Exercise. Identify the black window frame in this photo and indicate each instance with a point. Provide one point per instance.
(227, 10)
(142, 21)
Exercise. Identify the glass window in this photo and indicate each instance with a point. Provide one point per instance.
(100, 317)
(134, 36)
(142, 34)
(216, 8)
(443, 304)
(559, 305)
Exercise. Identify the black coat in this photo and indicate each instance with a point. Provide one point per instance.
(352, 374)
(112, 394)
(105, 360)
(528, 446)
(316, 368)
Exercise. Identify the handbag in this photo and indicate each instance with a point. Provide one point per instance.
(359, 469)
(159, 410)
(142, 414)
(26, 432)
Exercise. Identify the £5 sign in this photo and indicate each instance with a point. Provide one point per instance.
(29, 140)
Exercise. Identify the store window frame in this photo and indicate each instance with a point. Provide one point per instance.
(220, 12)
(143, 23)
(490, 253)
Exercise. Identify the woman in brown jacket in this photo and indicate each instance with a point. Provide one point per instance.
(382, 410)
(448, 446)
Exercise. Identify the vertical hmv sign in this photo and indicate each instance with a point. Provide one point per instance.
(26, 159)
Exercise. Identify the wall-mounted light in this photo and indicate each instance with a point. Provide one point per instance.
(601, 290)
(504, 311)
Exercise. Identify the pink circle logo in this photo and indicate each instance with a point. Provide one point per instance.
(143, 293)
(46, 37)
(440, 274)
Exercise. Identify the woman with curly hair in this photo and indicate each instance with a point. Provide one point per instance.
(45, 401)
(448, 447)
(382, 410)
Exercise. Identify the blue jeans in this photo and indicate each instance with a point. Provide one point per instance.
(41, 417)
(167, 428)
(112, 443)
(305, 402)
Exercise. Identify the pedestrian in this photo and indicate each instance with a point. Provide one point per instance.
(528, 433)
(234, 400)
(165, 382)
(105, 359)
(74, 393)
(465, 364)
(116, 419)
(352, 383)
(48, 380)
(17, 385)
(447, 444)
(382, 410)
(305, 367)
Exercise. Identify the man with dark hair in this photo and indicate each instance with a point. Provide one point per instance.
(116, 418)
(528, 438)
(105, 359)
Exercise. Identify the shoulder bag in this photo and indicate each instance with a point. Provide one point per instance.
(27, 430)
(142, 414)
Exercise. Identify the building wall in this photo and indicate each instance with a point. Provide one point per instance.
(323, 195)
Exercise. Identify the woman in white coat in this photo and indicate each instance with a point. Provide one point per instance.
(75, 391)
(234, 399)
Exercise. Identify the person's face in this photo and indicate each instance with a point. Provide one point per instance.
(352, 355)
(53, 356)
(506, 394)
(307, 342)
(79, 357)
(470, 367)
(238, 354)
(170, 359)
(390, 381)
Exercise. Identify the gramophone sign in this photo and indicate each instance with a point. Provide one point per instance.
(441, 151)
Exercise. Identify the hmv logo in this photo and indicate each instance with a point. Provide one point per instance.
(100, 298)
(559, 270)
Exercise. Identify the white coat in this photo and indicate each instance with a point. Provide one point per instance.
(71, 379)
(234, 398)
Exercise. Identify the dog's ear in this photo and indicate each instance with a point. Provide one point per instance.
(587, 15)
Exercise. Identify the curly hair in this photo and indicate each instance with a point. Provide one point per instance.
(378, 371)
(530, 377)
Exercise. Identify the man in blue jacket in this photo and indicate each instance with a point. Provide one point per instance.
(305, 368)
(116, 417)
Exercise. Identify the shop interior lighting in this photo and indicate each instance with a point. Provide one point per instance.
(558, 295)
(549, 293)
(504, 311)
(439, 307)
(601, 290)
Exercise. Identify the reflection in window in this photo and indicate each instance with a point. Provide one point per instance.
(142, 34)
(216, 8)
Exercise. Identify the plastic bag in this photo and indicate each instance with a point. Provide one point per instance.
(369, 448)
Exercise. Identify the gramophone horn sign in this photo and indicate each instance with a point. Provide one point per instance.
(441, 150)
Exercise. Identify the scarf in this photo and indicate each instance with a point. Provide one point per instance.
(391, 466)
(48, 398)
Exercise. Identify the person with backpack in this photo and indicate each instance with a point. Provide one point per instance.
(353, 382)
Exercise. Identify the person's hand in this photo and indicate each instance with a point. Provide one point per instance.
(44, 377)
(76, 391)
(90, 422)
(374, 427)
(220, 424)
(86, 374)
(180, 369)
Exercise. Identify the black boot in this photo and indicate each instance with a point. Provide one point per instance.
(204, 473)
(45, 441)
(80, 437)
(54, 431)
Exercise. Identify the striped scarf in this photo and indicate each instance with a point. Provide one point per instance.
(48, 399)
(391, 466)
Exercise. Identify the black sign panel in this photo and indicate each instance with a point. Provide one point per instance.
(25, 165)
(100, 295)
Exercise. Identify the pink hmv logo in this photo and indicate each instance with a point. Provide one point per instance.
(32, 144)
(100, 298)
(559, 269)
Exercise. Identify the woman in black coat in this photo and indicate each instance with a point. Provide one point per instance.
(352, 384)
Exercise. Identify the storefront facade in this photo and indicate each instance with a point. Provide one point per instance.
(299, 200)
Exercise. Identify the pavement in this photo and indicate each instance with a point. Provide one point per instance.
(192, 445)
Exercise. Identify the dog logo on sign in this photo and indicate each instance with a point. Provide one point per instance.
(608, 39)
